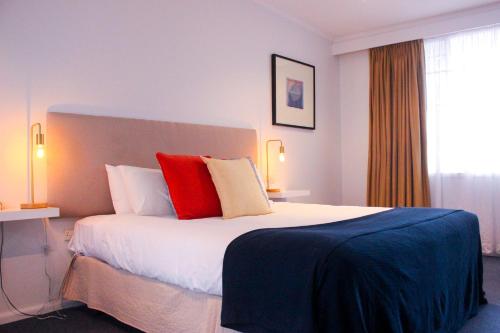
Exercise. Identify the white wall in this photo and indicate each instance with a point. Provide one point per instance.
(199, 61)
(354, 115)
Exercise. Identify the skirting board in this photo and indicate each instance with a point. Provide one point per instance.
(11, 316)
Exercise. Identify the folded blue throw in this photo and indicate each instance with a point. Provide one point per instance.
(401, 270)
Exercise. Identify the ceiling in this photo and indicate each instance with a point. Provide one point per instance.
(339, 18)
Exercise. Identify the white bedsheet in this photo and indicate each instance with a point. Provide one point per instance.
(188, 253)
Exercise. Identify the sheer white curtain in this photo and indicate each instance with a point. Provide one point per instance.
(463, 119)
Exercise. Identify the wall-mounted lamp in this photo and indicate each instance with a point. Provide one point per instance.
(281, 158)
(37, 147)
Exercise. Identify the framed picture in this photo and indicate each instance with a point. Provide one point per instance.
(294, 101)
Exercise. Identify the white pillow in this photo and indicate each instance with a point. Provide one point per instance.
(259, 178)
(147, 191)
(118, 190)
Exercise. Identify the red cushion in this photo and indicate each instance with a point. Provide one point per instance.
(190, 185)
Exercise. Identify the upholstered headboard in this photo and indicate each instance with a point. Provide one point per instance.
(78, 146)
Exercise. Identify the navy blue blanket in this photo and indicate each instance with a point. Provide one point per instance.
(402, 270)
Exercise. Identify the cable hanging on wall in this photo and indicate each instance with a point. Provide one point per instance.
(57, 314)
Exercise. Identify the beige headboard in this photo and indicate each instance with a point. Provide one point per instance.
(78, 146)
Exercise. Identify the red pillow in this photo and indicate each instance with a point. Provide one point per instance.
(190, 185)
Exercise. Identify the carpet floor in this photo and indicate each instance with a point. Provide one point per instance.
(84, 320)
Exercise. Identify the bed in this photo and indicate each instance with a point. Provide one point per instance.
(303, 268)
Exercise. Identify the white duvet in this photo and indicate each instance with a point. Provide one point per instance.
(188, 253)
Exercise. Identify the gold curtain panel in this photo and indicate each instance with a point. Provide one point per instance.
(397, 163)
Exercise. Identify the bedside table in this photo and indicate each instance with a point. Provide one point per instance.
(283, 196)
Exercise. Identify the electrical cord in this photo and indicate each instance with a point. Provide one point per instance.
(49, 278)
(4, 293)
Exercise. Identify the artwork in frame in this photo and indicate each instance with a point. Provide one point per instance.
(293, 93)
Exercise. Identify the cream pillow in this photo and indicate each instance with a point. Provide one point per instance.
(237, 184)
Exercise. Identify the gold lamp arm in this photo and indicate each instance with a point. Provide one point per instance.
(267, 158)
(40, 140)
(32, 152)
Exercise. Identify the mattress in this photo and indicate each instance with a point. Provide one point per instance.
(188, 253)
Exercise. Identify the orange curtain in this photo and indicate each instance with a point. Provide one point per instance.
(397, 162)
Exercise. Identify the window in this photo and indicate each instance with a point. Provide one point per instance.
(463, 102)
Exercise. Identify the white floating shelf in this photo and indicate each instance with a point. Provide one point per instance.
(288, 194)
(28, 214)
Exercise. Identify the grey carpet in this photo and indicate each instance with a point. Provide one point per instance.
(488, 318)
(78, 320)
(491, 279)
(84, 320)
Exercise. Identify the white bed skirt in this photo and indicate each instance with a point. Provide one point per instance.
(143, 303)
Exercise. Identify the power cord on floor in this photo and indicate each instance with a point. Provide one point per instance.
(58, 315)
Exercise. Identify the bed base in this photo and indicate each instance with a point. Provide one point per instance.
(146, 304)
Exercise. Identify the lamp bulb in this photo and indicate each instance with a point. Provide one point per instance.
(40, 152)
(282, 157)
